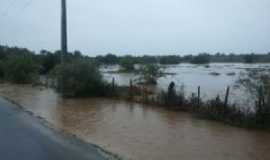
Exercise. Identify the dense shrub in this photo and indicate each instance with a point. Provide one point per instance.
(150, 73)
(79, 78)
(48, 61)
(20, 69)
(127, 64)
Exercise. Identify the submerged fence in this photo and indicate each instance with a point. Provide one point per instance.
(215, 108)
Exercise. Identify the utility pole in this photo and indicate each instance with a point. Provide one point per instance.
(63, 30)
(64, 48)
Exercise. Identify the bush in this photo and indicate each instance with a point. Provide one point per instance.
(150, 73)
(20, 69)
(79, 78)
(48, 61)
(127, 64)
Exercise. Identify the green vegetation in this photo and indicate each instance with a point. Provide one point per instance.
(20, 69)
(196, 59)
(250, 58)
(80, 78)
(201, 59)
(127, 64)
(150, 73)
(17, 65)
(215, 109)
(258, 83)
(109, 59)
(48, 61)
(172, 59)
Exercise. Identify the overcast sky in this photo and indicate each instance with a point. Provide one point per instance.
(139, 26)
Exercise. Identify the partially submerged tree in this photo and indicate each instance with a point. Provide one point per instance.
(127, 64)
(258, 84)
(150, 73)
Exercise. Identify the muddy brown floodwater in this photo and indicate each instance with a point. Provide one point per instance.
(142, 132)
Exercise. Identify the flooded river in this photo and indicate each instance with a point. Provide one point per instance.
(213, 79)
(142, 132)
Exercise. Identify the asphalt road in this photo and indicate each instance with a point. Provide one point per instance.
(24, 137)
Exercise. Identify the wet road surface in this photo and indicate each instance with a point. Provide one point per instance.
(23, 137)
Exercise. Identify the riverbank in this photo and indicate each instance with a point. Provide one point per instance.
(27, 137)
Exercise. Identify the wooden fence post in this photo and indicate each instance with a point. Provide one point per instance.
(199, 96)
(227, 97)
(113, 84)
(260, 98)
(47, 82)
(130, 89)
(145, 96)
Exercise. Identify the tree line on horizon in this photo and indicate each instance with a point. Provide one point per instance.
(22, 65)
(201, 58)
(49, 58)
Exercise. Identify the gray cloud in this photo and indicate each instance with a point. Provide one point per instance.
(139, 27)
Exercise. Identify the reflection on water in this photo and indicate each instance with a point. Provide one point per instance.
(142, 132)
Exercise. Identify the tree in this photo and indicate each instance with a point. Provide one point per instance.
(108, 59)
(146, 59)
(258, 85)
(249, 58)
(20, 69)
(201, 59)
(187, 58)
(77, 54)
(48, 61)
(170, 59)
(127, 64)
(111, 59)
(150, 73)
(79, 78)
